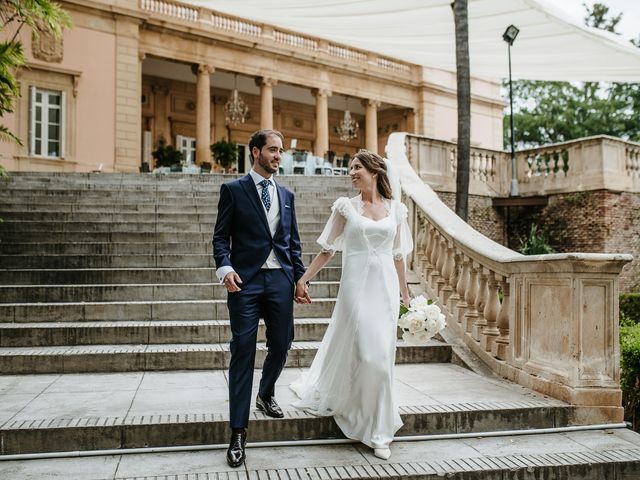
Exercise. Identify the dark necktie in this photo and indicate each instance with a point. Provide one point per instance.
(266, 198)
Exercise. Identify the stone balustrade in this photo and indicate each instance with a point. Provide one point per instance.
(211, 19)
(547, 322)
(436, 160)
(592, 163)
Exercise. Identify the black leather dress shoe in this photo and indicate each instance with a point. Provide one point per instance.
(235, 452)
(270, 407)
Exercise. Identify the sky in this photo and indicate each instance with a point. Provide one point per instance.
(629, 26)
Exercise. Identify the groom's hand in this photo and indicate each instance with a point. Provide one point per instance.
(302, 293)
(231, 281)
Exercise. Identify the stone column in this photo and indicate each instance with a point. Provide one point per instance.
(128, 111)
(371, 125)
(203, 113)
(321, 144)
(266, 101)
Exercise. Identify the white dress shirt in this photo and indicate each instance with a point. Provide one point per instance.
(273, 219)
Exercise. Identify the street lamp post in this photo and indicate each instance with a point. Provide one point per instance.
(509, 36)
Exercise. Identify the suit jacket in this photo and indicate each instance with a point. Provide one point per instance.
(241, 238)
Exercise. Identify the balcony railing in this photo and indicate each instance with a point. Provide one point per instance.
(592, 163)
(547, 322)
(213, 20)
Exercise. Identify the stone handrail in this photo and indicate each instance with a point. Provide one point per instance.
(547, 322)
(211, 19)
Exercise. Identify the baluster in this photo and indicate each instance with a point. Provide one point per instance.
(442, 257)
(428, 266)
(447, 271)
(461, 288)
(433, 257)
(470, 296)
(481, 301)
(453, 279)
(491, 309)
(483, 167)
(500, 348)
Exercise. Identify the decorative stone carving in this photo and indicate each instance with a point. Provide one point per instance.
(46, 47)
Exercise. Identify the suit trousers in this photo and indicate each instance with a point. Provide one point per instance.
(269, 294)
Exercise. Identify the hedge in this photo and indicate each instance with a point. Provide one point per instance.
(630, 306)
(630, 371)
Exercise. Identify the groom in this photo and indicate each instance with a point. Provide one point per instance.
(257, 251)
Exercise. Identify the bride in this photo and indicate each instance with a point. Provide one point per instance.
(351, 377)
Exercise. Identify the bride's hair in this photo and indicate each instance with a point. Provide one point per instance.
(375, 164)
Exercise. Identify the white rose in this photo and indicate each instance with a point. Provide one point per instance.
(409, 338)
(418, 303)
(432, 312)
(402, 321)
(442, 322)
(431, 325)
(422, 336)
(416, 324)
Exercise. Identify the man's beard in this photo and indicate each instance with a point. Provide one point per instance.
(266, 165)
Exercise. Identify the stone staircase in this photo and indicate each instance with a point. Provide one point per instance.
(114, 335)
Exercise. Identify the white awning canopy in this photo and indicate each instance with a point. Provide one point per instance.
(550, 46)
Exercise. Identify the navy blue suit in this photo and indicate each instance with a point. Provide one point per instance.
(242, 240)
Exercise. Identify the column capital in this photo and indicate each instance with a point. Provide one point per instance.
(368, 102)
(202, 69)
(266, 81)
(321, 92)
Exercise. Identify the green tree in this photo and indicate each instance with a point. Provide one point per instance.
(550, 112)
(38, 15)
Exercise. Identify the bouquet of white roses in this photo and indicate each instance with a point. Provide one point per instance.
(421, 320)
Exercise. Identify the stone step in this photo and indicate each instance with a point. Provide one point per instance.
(104, 224)
(143, 310)
(126, 410)
(133, 358)
(137, 275)
(311, 208)
(134, 292)
(304, 218)
(105, 261)
(604, 454)
(177, 259)
(139, 333)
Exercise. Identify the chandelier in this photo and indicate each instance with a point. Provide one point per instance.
(348, 127)
(235, 110)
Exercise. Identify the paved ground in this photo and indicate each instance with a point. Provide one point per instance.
(27, 397)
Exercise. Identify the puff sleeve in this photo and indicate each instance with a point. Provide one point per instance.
(332, 237)
(403, 243)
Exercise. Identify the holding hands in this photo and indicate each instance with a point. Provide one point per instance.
(302, 292)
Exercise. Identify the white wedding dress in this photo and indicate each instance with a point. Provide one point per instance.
(351, 376)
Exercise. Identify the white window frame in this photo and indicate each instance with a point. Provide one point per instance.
(44, 146)
(187, 145)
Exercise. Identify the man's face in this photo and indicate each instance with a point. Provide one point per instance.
(267, 159)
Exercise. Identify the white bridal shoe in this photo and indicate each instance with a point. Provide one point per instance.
(383, 453)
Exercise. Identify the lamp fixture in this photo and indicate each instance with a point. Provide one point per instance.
(347, 129)
(235, 110)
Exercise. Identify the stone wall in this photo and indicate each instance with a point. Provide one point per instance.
(482, 216)
(599, 221)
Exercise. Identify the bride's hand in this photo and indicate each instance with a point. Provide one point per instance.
(406, 299)
(302, 293)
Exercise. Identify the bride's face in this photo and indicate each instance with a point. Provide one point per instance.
(361, 178)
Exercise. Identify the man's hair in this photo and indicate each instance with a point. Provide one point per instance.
(259, 139)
